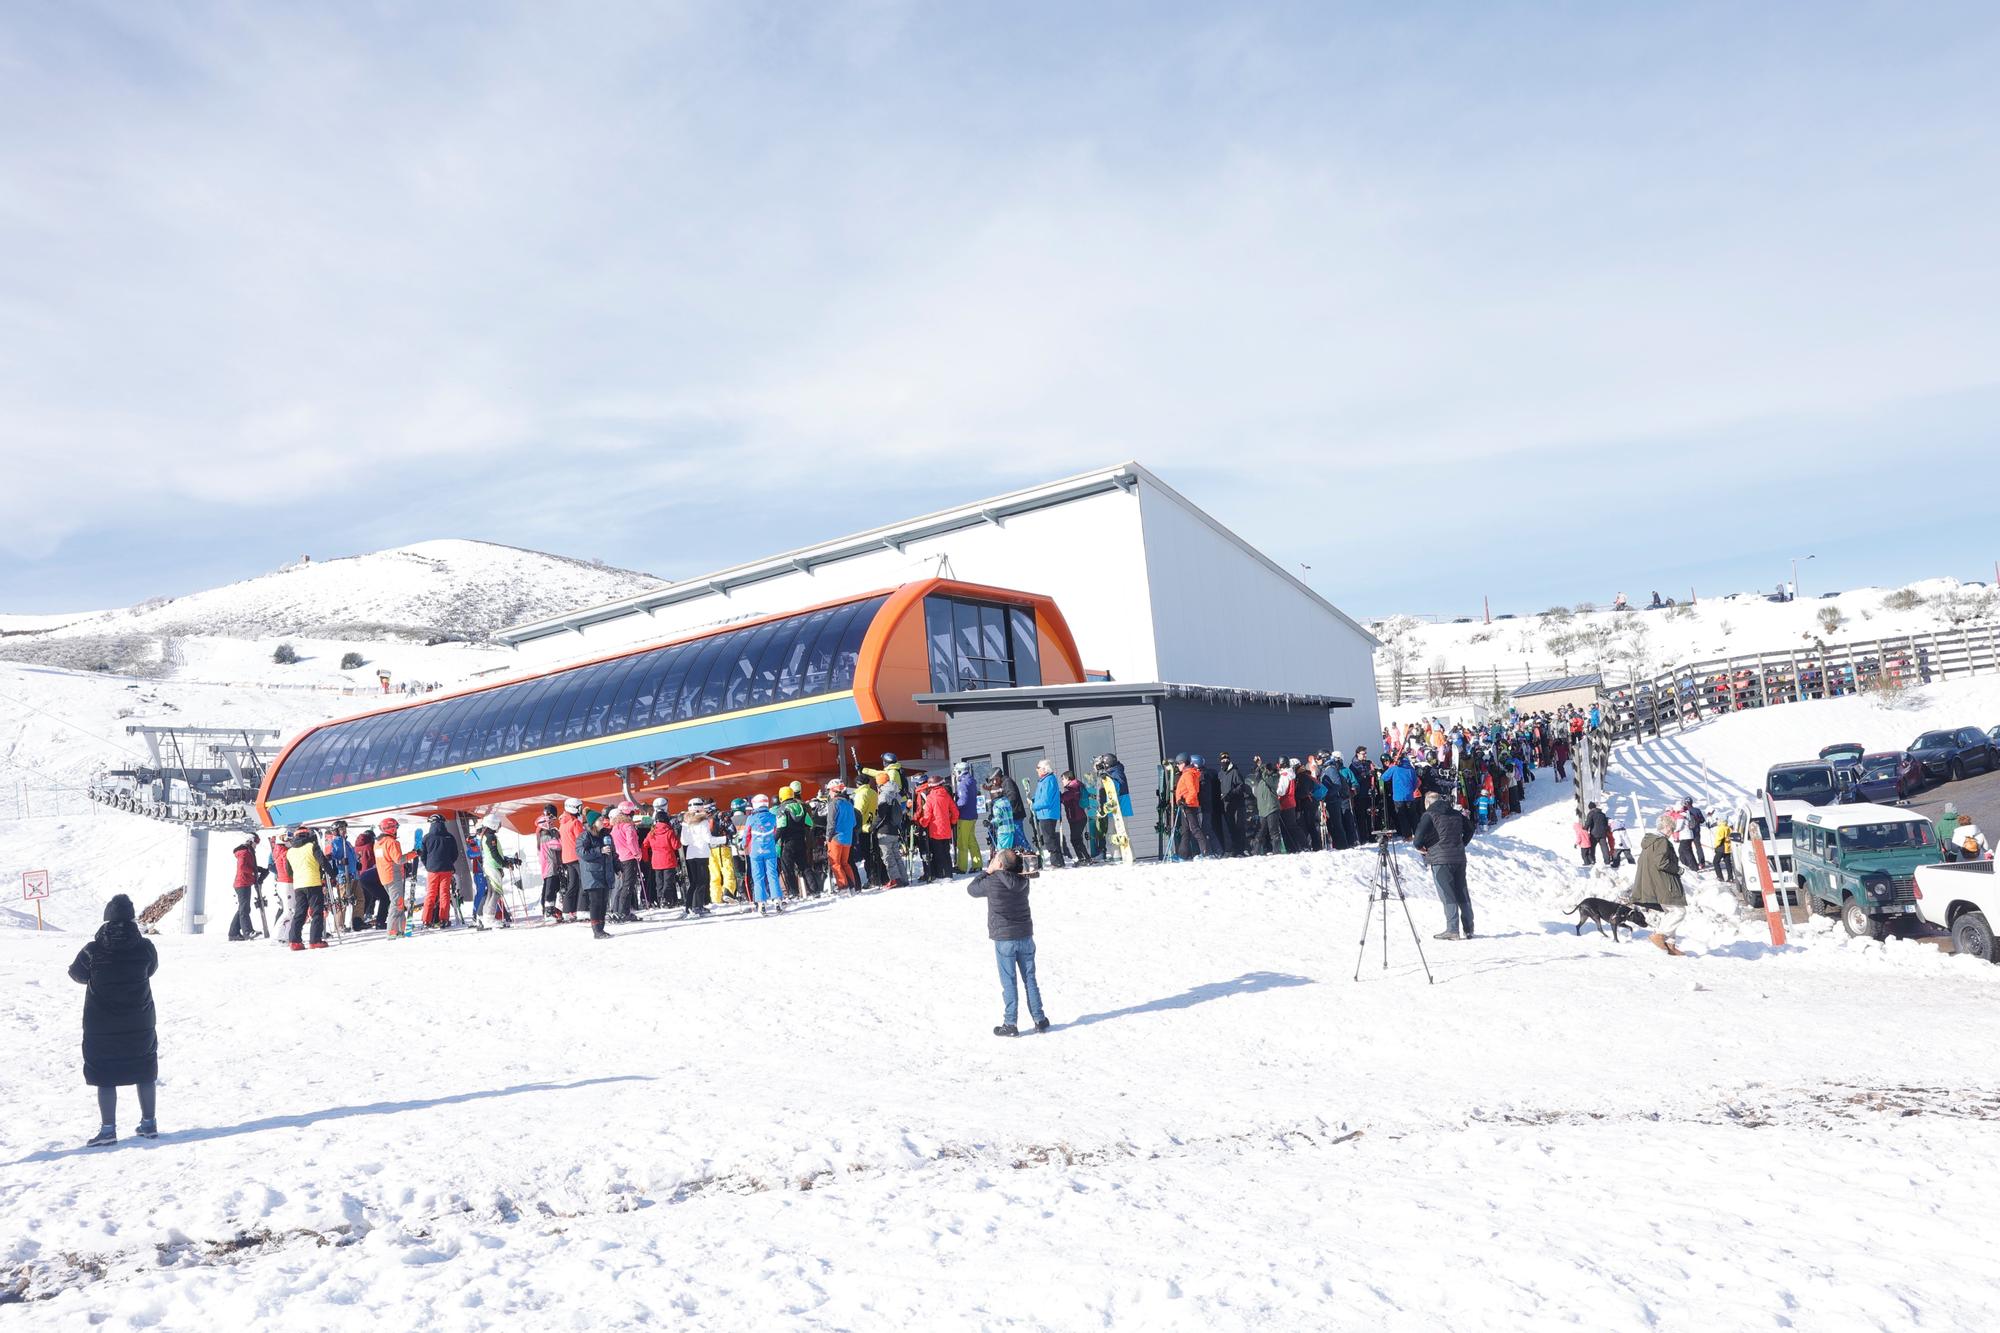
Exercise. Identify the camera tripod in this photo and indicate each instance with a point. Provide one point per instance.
(1388, 871)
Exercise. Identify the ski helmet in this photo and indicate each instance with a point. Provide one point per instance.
(1196, 761)
(492, 822)
(660, 802)
(573, 805)
(627, 808)
(389, 826)
(959, 767)
(1180, 761)
(760, 802)
(836, 786)
(739, 804)
(888, 758)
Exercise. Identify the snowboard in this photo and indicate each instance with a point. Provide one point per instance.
(1114, 819)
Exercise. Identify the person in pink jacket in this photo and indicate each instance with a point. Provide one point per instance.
(625, 847)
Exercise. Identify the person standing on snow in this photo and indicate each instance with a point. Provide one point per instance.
(661, 854)
(1270, 819)
(760, 845)
(310, 873)
(625, 848)
(249, 877)
(1048, 811)
(1659, 886)
(570, 829)
(937, 813)
(343, 868)
(1072, 808)
(441, 873)
(867, 858)
(965, 833)
(597, 866)
(1441, 836)
(548, 856)
(486, 841)
(389, 869)
(841, 825)
(1011, 927)
(693, 840)
(374, 902)
(1402, 780)
(121, 1041)
(1190, 830)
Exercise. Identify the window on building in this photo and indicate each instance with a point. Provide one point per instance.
(980, 646)
(1089, 739)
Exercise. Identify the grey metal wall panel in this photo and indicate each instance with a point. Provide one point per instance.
(1195, 727)
(994, 732)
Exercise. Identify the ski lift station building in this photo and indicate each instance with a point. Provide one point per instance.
(796, 662)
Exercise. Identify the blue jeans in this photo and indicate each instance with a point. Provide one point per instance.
(1012, 954)
(1457, 899)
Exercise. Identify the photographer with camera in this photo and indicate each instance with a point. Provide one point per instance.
(1004, 886)
(1440, 838)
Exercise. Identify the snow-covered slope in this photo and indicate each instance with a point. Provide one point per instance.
(1642, 642)
(802, 1122)
(461, 589)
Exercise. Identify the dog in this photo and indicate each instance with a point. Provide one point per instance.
(1602, 912)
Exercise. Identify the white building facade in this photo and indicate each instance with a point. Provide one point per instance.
(1168, 593)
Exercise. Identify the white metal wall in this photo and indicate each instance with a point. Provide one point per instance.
(1222, 617)
(1089, 555)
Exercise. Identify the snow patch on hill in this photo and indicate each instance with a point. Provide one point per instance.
(450, 589)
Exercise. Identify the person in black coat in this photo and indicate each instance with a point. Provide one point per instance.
(1441, 836)
(120, 1042)
(1011, 927)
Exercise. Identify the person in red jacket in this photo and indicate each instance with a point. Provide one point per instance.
(663, 854)
(249, 875)
(937, 815)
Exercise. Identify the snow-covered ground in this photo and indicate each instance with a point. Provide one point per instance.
(1642, 642)
(804, 1122)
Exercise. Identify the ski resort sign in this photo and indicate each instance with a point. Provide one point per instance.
(34, 888)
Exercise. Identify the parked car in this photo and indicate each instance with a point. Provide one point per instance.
(1859, 862)
(1748, 818)
(1964, 898)
(1889, 775)
(1953, 754)
(1993, 737)
(1845, 756)
(1808, 780)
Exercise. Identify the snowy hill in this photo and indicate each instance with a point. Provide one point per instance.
(449, 589)
(1624, 644)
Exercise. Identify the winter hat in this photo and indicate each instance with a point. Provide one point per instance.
(119, 909)
(590, 818)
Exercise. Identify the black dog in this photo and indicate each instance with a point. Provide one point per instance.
(1602, 912)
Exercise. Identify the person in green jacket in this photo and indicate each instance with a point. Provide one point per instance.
(1264, 798)
(1659, 884)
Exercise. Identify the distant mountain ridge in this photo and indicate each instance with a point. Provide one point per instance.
(445, 589)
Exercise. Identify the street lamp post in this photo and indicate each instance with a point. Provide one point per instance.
(1795, 574)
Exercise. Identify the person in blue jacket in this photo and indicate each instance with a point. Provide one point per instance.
(1402, 780)
(760, 844)
(1047, 803)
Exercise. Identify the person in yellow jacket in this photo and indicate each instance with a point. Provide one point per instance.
(389, 869)
(866, 859)
(1723, 839)
(310, 873)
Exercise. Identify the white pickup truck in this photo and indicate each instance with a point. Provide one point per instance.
(1964, 898)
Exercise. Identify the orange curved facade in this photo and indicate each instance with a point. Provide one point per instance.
(651, 721)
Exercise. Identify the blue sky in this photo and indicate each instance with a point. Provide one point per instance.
(1535, 301)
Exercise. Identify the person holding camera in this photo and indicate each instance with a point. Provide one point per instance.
(1441, 835)
(1010, 926)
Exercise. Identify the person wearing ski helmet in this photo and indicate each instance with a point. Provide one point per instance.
(548, 853)
(498, 863)
(965, 834)
(760, 845)
(441, 874)
(625, 844)
(724, 880)
(889, 777)
(310, 873)
(695, 852)
(389, 869)
(570, 827)
(841, 826)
